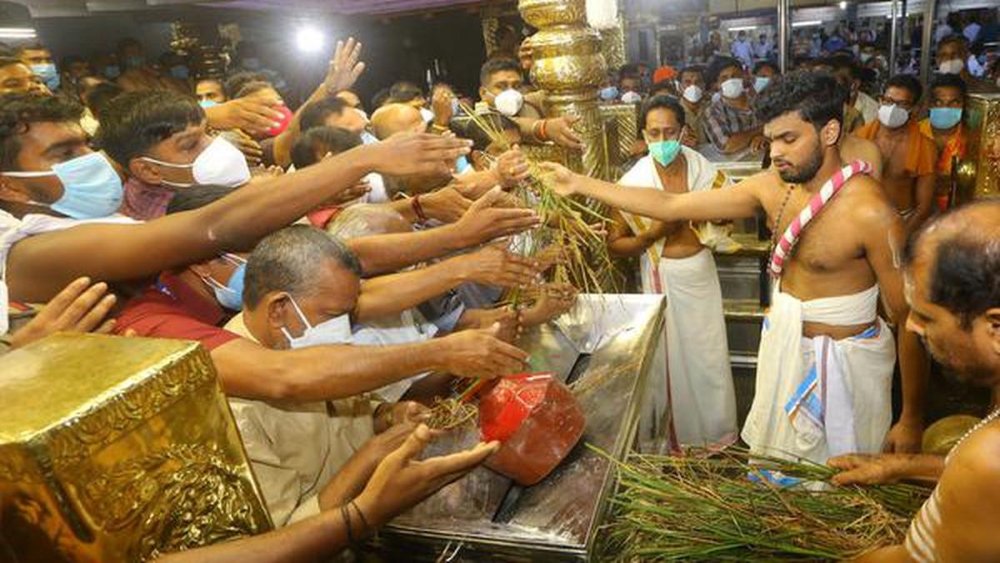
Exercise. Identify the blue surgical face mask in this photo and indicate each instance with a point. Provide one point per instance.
(205, 104)
(47, 72)
(179, 72)
(332, 331)
(91, 187)
(665, 152)
(367, 138)
(230, 295)
(112, 71)
(945, 118)
(455, 108)
(609, 93)
(760, 83)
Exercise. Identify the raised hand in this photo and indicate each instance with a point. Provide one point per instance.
(484, 221)
(479, 353)
(80, 307)
(345, 67)
(441, 106)
(402, 480)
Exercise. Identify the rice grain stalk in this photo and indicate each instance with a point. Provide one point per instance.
(567, 222)
(684, 508)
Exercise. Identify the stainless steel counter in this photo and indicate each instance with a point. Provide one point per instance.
(603, 350)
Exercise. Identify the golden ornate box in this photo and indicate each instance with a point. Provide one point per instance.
(979, 174)
(118, 449)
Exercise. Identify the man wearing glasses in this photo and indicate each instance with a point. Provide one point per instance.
(908, 154)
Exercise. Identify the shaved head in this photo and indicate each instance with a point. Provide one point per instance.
(397, 118)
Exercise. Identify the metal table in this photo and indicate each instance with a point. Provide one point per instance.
(603, 349)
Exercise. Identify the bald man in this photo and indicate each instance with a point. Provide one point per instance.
(953, 288)
(397, 118)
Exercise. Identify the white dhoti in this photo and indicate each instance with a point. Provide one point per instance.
(695, 395)
(819, 397)
(696, 358)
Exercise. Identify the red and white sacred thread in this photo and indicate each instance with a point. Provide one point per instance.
(783, 249)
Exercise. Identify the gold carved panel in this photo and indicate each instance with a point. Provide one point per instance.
(119, 449)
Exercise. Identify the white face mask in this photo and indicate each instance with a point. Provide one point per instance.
(427, 115)
(952, 66)
(220, 164)
(631, 98)
(865, 57)
(892, 116)
(509, 102)
(732, 88)
(333, 331)
(693, 93)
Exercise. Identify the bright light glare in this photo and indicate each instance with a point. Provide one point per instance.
(843, 4)
(309, 39)
(809, 23)
(17, 33)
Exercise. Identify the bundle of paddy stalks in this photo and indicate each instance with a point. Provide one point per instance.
(719, 507)
(446, 414)
(572, 226)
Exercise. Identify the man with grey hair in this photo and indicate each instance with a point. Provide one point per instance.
(301, 288)
(953, 287)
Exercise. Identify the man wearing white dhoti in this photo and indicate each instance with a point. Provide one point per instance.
(697, 381)
(835, 258)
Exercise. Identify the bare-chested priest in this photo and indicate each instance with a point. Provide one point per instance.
(826, 359)
(910, 156)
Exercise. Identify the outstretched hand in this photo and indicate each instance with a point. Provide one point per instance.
(402, 480)
(565, 182)
(485, 220)
(405, 154)
(80, 307)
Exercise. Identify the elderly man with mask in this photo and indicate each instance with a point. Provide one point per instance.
(302, 289)
(952, 282)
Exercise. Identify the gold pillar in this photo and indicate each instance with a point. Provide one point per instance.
(979, 174)
(569, 68)
(118, 449)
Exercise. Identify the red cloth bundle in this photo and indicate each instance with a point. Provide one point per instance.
(537, 419)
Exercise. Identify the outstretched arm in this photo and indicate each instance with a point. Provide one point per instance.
(319, 373)
(741, 200)
(40, 266)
